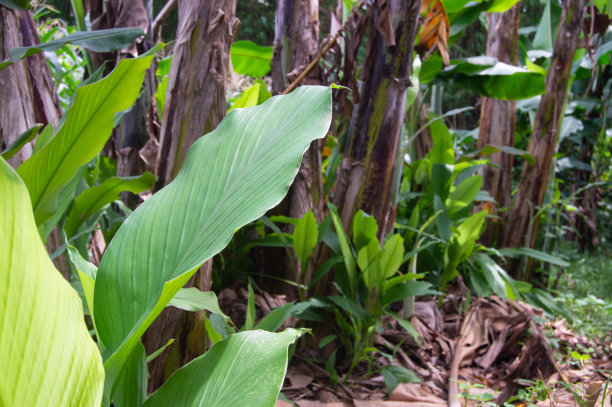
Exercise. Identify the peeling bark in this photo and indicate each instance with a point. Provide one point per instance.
(195, 105)
(136, 127)
(29, 87)
(377, 121)
(498, 120)
(545, 135)
(296, 44)
(195, 102)
(28, 84)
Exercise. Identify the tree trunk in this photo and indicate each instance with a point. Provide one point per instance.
(498, 120)
(29, 87)
(534, 180)
(136, 127)
(28, 84)
(195, 104)
(296, 44)
(368, 166)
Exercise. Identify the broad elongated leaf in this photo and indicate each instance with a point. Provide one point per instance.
(464, 194)
(536, 254)
(97, 41)
(251, 59)
(22, 140)
(192, 299)
(494, 79)
(245, 369)
(93, 199)
(273, 320)
(15, 4)
(254, 95)
(305, 238)
(230, 177)
(47, 355)
(87, 126)
(395, 375)
(364, 229)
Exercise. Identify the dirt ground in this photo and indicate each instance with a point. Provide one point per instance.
(481, 356)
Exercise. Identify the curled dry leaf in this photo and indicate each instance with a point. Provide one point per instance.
(435, 30)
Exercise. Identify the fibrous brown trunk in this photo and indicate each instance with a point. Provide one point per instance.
(545, 135)
(195, 105)
(296, 44)
(29, 96)
(136, 127)
(195, 102)
(28, 84)
(366, 172)
(498, 120)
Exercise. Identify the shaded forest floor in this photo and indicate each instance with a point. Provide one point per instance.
(488, 352)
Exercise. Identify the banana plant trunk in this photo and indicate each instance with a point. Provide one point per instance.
(534, 179)
(195, 105)
(29, 86)
(366, 172)
(498, 121)
(296, 44)
(136, 127)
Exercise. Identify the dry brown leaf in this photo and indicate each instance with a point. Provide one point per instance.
(417, 394)
(435, 30)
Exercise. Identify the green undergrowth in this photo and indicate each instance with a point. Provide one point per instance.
(585, 289)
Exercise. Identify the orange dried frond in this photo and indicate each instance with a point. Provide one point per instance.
(435, 30)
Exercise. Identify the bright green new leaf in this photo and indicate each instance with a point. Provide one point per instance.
(47, 355)
(443, 149)
(275, 318)
(251, 59)
(96, 41)
(305, 238)
(254, 95)
(87, 275)
(499, 6)
(87, 126)
(462, 244)
(347, 252)
(464, 194)
(368, 259)
(365, 229)
(220, 378)
(547, 28)
(192, 299)
(160, 97)
(230, 177)
(22, 140)
(392, 256)
(95, 198)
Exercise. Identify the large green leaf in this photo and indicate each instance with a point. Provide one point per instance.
(246, 369)
(97, 41)
(251, 59)
(15, 4)
(47, 355)
(494, 79)
(86, 127)
(230, 177)
(192, 299)
(95, 198)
